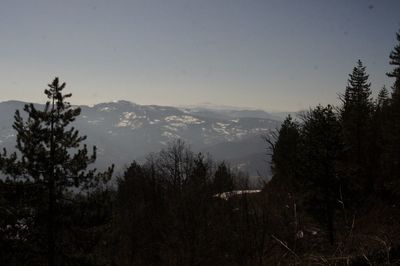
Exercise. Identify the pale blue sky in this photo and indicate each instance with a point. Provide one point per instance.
(274, 55)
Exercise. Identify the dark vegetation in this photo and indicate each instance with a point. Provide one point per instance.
(333, 199)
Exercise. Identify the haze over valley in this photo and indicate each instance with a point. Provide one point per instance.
(124, 131)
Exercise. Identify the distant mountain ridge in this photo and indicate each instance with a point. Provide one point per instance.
(231, 111)
(124, 131)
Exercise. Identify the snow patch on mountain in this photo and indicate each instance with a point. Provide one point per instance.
(171, 128)
(154, 122)
(170, 136)
(185, 119)
(96, 121)
(130, 119)
(220, 128)
(107, 109)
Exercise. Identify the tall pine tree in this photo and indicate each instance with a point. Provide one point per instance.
(355, 116)
(322, 151)
(286, 157)
(48, 171)
(395, 73)
(379, 140)
(392, 130)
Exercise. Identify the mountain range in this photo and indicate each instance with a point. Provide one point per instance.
(124, 131)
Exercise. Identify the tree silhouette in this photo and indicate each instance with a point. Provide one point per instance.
(356, 118)
(395, 73)
(286, 157)
(50, 168)
(356, 112)
(392, 129)
(322, 147)
(223, 179)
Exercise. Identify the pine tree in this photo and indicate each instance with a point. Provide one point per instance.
(383, 99)
(286, 151)
(379, 139)
(50, 168)
(356, 116)
(322, 148)
(395, 73)
(356, 111)
(392, 129)
(223, 179)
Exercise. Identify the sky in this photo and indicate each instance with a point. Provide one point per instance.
(277, 55)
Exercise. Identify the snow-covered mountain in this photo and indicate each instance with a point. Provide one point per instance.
(124, 131)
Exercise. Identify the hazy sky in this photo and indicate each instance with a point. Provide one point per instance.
(274, 55)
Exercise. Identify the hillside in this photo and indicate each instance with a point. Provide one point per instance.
(124, 131)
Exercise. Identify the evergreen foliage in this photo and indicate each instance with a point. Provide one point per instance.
(356, 114)
(286, 151)
(46, 174)
(322, 140)
(223, 179)
(395, 73)
(356, 118)
(392, 129)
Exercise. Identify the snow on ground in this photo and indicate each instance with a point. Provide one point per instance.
(185, 119)
(107, 109)
(220, 128)
(170, 135)
(95, 122)
(171, 128)
(130, 119)
(229, 194)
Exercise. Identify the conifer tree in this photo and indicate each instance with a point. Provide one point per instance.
(356, 116)
(379, 139)
(223, 179)
(395, 73)
(356, 111)
(393, 127)
(322, 148)
(286, 151)
(50, 168)
(383, 98)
